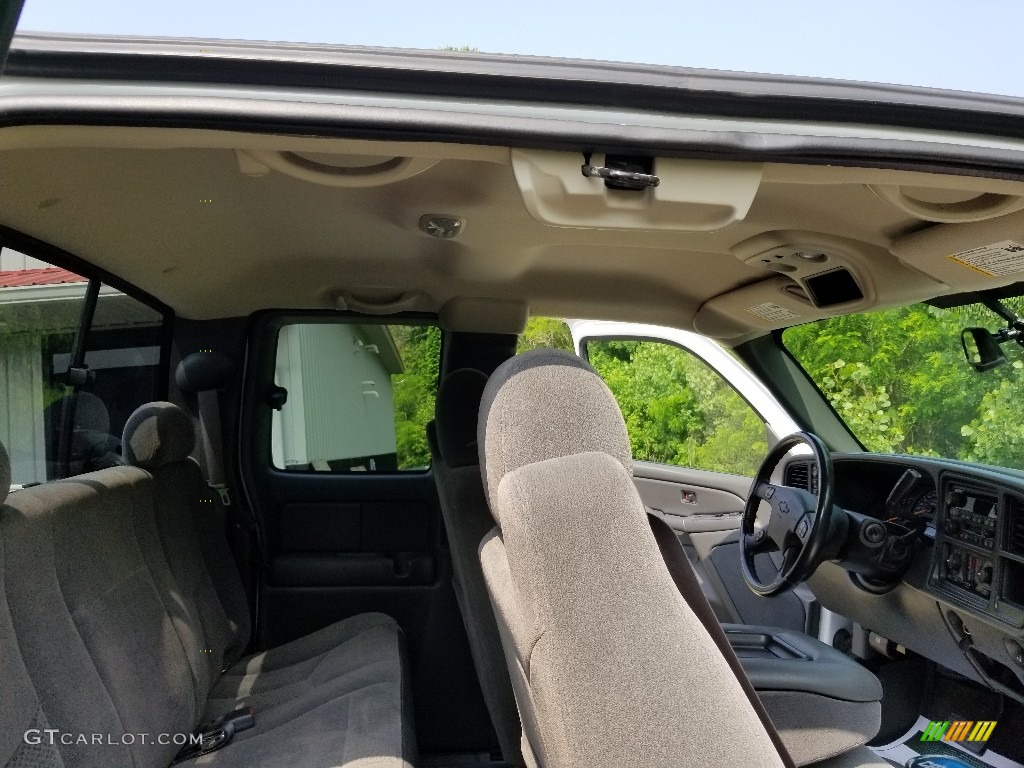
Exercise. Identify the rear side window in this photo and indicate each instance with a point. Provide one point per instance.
(359, 396)
(62, 416)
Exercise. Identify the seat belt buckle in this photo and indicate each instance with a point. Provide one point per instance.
(219, 733)
(224, 493)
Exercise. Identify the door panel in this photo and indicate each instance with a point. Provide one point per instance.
(333, 450)
(691, 499)
(704, 508)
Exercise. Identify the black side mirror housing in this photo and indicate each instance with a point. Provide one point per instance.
(981, 349)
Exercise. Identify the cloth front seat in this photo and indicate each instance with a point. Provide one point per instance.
(467, 519)
(610, 665)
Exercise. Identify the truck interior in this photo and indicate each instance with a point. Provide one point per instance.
(300, 455)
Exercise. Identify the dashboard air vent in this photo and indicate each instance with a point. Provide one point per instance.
(1015, 526)
(802, 474)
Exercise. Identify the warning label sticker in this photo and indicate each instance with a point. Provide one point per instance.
(996, 260)
(772, 312)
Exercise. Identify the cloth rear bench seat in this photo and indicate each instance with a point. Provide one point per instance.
(117, 625)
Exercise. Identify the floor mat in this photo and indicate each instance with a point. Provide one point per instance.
(909, 751)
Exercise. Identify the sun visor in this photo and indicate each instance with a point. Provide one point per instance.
(478, 315)
(968, 257)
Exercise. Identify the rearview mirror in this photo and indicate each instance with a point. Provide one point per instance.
(981, 349)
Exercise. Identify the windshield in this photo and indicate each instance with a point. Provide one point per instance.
(952, 45)
(899, 380)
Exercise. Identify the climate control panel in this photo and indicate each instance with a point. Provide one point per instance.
(968, 570)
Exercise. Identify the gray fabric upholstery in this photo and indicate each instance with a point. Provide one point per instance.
(35, 750)
(817, 727)
(96, 638)
(190, 519)
(544, 404)
(113, 616)
(608, 661)
(457, 408)
(5, 473)
(157, 434)
(349, 654)
(354, 730)
(467, 520)
(20, 710)
(616, 663)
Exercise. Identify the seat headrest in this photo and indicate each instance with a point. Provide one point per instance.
(90, 414)
(202, 371)
(5, 474)
(158, 434)
(455, 416)
(546, 404)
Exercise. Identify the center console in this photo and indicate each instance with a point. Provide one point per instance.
(979, 553)
(822, 702)
(977, 571)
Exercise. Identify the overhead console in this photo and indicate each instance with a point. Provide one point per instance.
(815, 276)
(600, 191)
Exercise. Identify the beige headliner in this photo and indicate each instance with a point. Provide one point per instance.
(130, 201)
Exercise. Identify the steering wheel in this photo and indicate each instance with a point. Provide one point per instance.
(800, 521)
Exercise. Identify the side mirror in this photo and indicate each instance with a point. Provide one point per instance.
(981, 349)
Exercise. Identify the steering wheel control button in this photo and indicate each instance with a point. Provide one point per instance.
(803, 528)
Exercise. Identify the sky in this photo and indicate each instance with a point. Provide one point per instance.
(973, 46)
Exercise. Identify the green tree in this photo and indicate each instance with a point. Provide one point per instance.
(545, 332)
(414, 391)
(677, 410)
(899, 380)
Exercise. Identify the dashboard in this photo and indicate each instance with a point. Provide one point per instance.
(961, 602)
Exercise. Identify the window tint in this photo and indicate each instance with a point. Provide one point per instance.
(53, 421)
(677, 409)
(359, 396)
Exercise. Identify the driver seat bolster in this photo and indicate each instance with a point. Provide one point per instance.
(821, 702)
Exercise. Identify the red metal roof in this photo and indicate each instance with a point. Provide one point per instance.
(50, 276)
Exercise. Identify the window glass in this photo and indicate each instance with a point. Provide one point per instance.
(359, 396)
(52, 428)
(899, 380)
(678, 410)
(545, 333)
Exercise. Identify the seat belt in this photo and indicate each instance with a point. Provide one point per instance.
(213, 443)
(205, 374)
(681, 571)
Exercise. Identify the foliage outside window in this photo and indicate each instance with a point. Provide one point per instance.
(415, 391)
(678, 410)
(899, 380)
